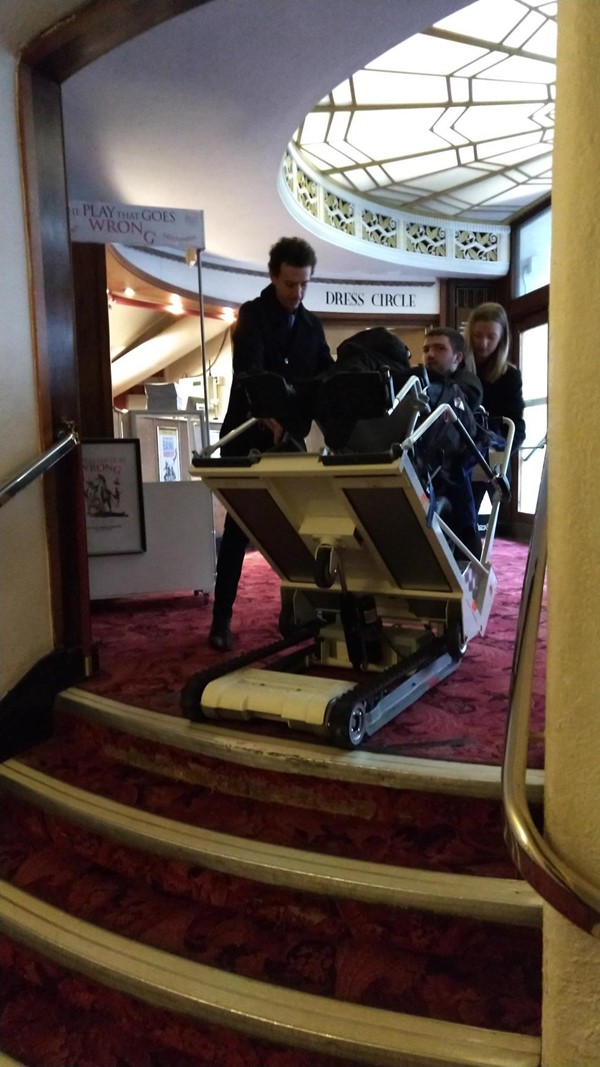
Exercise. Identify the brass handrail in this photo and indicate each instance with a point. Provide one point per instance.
(571, 893)
(39, 466)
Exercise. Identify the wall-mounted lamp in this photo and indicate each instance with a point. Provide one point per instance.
(175, 306)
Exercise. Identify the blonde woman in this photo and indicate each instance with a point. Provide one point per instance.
(487, 335)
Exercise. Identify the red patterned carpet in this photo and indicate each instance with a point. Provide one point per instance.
(407, 960)
(54, 1018)
(364, 822)
(400, 960)
(150, 646)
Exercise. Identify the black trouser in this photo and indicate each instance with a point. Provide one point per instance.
(479, 491)
(229, 568)
(458, 490)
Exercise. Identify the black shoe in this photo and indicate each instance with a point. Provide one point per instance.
(220, 637)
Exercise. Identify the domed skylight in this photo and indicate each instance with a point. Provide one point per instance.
(456, 121)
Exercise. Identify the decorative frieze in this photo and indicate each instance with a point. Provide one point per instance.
(476, 244)
(288, 171)
(307, 192)
(434, 243)
(425, 240)
(338, 213)
(379, 229)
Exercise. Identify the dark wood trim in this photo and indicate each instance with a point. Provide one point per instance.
(26, 710)
(93, 340)
(52, 306)
(475, 291)
(47, 221)
(445, 303)
(96, 29)
(394, 322)
(524, 307)
(47, 61)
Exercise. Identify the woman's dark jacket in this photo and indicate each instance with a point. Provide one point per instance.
(504, 397)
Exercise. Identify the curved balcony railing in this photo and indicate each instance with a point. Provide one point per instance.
(571, 893)
(39, 466)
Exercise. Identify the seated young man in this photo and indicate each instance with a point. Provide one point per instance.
(441, 454)
(446, 358)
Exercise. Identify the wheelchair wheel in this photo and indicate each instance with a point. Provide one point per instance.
(287, 618)
(190, 701)
(347, 726)
(325, 567)
(455, 640)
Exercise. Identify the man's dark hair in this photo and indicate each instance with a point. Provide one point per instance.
(454, 336)
(291, 250)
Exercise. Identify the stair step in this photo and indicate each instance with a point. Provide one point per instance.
(9, 1061)
(400, 959)
(489, 899)
(61, 1017)
(288, 756)
(389, 823)
(450, 834)
(303, 1020)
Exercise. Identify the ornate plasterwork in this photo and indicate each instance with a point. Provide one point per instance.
(338, 213)
(425, 240)
(456, 121)
(445, 244)
(380, 229)
(306, 191)
(476, 244)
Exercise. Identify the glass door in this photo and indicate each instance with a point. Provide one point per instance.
(532, 340)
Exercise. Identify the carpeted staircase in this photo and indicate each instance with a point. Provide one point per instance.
(179, 895)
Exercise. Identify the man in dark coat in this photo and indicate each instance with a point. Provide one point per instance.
(274, 333)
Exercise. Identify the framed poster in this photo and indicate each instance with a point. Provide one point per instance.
(114, 501)
(168, 453)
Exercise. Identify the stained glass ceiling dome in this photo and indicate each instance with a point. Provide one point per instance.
(455, 122)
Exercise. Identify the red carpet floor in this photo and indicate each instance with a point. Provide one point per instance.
(400, 960)
(55, 1018)
(364, 822)
(445, 967)
(149, 647)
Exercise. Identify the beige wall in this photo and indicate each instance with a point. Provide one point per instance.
(25, 625)
(571, 1024)
(25, 619)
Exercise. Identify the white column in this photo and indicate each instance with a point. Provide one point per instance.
(571, 1012)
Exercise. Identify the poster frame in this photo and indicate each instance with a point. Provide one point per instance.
(113, 533)
(165, 461)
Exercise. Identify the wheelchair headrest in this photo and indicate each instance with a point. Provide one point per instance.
(346, 397)
(269, 396)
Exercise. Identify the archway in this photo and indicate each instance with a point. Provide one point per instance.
(44, 65)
